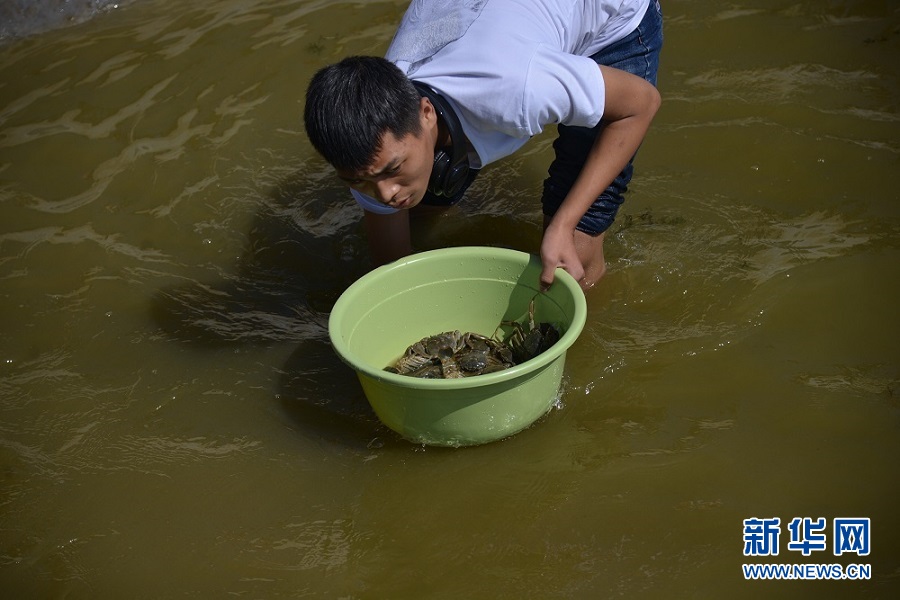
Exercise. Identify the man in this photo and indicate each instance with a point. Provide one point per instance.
(467, 82)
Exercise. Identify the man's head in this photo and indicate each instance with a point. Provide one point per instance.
(365, 117)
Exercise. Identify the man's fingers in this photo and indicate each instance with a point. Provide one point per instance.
(576, 271)
(547, 276)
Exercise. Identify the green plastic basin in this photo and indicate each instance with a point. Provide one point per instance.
(469, 289)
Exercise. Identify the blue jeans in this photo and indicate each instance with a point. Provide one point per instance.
(638, 53)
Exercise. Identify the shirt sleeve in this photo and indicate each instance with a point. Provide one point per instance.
(563, 88)
(371, 204)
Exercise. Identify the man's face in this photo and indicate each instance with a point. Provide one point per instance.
(399, 175)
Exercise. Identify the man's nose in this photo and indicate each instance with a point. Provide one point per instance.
(387, 189)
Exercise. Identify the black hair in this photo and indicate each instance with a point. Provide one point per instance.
(351, 104)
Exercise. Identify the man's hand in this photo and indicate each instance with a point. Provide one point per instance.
(558, 250)
(630, 104)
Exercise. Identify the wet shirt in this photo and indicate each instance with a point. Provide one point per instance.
(509, 68)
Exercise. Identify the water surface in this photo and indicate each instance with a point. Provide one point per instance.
(173, 421)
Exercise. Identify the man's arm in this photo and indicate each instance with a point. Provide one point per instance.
(388, 235)
(631, 103)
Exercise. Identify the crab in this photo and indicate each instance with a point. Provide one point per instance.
(432, 350)
(529, 339)
(483, 355)
(451, 355)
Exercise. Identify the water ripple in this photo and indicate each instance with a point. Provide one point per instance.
(767, 85)
(67, 123)
(660, 303)
(316, 544)
(115, 68)
(146, 451)
(77, 235)
(165, 149)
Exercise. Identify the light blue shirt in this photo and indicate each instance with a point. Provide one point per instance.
(509, 68)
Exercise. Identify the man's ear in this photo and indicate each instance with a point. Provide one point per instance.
(427, 113)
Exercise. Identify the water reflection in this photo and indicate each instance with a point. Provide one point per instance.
(303, 248)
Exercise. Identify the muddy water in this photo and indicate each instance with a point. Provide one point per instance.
(173, 421)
